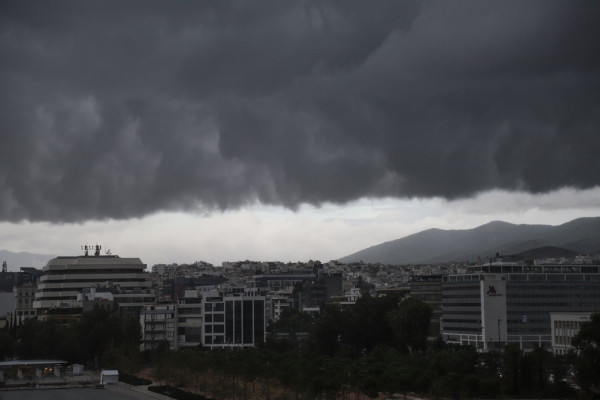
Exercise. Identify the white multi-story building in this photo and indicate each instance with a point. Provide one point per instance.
(189, 319)
(64, 278)
(234, 319)
(564, 327)
(158, 326)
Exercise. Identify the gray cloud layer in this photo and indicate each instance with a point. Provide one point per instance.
(120, 109)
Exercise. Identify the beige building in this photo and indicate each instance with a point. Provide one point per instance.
(565, 326)
(24, 297)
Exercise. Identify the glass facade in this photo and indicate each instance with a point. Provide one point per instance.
(532, 294)
(240, 321)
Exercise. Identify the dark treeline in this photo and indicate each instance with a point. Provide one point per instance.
(98, 338)
(376, 348)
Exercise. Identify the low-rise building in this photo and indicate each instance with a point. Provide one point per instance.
(564, 327)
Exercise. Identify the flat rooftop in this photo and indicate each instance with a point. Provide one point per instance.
(23, 363)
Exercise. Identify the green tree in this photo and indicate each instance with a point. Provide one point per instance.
(587, 341)
(328, 332)
(107, 338)
(410, 322)
(292, 321)
(7, 345)
(35, 339)
(516, 371)
(366, 325)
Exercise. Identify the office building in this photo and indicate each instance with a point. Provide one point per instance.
(233, 319)
(64, 278)
(493, 305)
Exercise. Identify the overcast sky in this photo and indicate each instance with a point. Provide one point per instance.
(291, 130)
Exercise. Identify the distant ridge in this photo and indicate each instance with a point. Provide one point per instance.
(548, 252)
(581, 236)
(15, 261)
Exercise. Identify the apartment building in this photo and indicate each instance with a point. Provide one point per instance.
(189, 319)
(24, 296)
(158, 326)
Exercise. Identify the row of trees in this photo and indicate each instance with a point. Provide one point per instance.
(99, 337)
(358, 329)
(297, 373)
(377, 346)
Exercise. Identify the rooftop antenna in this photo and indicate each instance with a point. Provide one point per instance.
(97, 252)
(4, 266)
(107, 251)
(85, 249)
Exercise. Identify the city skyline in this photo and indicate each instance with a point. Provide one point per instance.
(291, 130)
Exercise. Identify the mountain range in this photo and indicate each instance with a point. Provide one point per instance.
(581, 236)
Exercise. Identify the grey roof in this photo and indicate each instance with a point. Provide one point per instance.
(94, 260)
(15, 363)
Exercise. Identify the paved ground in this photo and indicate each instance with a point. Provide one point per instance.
(120, 391)
(136, 392)
(66, 394)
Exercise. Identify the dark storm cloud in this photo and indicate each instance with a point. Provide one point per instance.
(120, 109)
